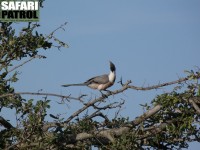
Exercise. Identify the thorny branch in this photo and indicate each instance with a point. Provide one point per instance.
(197, 76)
(43, 94)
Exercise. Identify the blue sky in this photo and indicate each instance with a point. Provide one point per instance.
(149, 42)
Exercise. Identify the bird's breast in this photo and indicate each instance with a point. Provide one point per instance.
(93, 85)
(112, 76)
(104, 86)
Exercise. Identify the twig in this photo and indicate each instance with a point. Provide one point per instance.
(36, 56)
(91, 103)
(163, 84)
(60, 27)
(99, 114)
(44, 94)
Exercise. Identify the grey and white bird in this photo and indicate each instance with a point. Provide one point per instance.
(101, 82)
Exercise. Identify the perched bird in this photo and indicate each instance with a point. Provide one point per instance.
(101, 82)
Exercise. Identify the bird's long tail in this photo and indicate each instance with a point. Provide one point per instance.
(79, 84)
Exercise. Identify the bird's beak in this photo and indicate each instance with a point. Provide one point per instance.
(112, 66)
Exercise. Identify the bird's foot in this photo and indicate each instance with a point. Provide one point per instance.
(109, 92)
(103, 95)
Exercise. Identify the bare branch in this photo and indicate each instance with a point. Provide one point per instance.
(91, 103)
(44, 94)
(36, 56)
(99, 114)
(5, 123)
(146, 115)
(60, 27)
(164, 84)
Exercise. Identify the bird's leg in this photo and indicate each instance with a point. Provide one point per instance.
(103, 95)
(110, 92)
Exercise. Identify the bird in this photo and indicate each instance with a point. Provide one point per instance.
(101, 82)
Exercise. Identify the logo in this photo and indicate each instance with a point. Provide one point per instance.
(19, 11)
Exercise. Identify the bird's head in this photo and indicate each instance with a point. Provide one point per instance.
(112, 67)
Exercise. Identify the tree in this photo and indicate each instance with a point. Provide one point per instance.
(171, 120)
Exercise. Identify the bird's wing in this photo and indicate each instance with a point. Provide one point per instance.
(98, 79)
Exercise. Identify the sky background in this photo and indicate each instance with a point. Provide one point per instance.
(150, 42)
